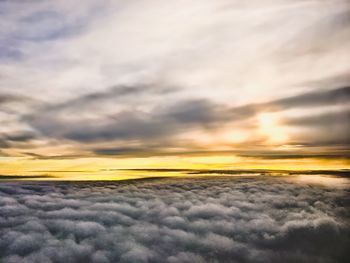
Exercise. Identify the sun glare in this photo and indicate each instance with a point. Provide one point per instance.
(270, 127)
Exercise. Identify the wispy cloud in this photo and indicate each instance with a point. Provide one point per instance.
(140, 78)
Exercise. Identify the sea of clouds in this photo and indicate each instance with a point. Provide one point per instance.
(255, 219)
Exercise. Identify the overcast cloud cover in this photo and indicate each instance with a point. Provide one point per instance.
(252, 219)
(155, 77)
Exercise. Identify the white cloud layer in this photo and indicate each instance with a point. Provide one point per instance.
(174, 220)
(261, 48)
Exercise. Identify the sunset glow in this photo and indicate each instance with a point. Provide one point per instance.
(124, 86)
(186, 131)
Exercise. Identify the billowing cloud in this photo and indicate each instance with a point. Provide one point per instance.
(174, 220)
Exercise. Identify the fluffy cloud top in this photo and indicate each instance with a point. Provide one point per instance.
(174, 220)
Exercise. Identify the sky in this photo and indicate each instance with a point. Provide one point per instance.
(90, 87)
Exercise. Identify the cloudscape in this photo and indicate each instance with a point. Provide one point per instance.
(201, 84)
(198, 131)
(175, 220)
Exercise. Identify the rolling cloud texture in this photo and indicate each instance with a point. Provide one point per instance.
(195, 220)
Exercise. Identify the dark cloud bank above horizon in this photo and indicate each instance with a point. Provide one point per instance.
(259, 219)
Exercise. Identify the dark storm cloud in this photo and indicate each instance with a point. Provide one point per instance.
(173, 220)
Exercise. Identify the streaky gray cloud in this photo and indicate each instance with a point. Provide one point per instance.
(316, 98)
(298, 154)
(6, 98)
(337, 149)
(166, 121)
(16, 177)
(128, 124)
(339, 80)
(156, 129)
(124, 151)
(20, 137)
(4, 143)
(114, 94)
(260, 219)
(341, 172)
(54, 156)
(8, 141)
(322, 120)
(338, 96)
(317, 128)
